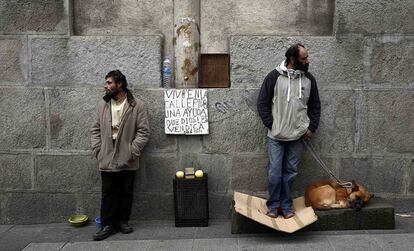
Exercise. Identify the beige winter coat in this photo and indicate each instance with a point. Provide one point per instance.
(133, 134)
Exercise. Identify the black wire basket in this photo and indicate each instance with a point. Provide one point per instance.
(191, 202)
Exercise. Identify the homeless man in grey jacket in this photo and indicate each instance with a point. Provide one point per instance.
(119, 135)
(289, 107)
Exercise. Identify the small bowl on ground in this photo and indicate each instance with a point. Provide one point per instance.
(78, 220)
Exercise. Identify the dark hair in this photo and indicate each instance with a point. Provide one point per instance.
(293, 51)
(118, 77)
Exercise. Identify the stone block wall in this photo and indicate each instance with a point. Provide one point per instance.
(125, 17)
(52, 70)
(34, 17)
(221, 19)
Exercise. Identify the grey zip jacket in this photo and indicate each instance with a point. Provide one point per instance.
(289, 104)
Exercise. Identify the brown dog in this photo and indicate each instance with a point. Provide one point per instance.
(327, 194)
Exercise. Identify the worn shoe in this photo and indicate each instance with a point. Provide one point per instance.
(271, 213)
(125, 228)
(288, 214)
(104, 233)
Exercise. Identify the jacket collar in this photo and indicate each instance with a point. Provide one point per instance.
(130, 98)
(283, 70)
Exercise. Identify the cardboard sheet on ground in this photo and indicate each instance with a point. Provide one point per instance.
(255, 208)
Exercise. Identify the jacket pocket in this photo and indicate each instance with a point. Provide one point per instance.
(132, 154)
(97, 154)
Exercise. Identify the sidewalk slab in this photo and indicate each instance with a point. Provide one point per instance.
(131, 245)
(44, 246)
(158, 234)
(373, 242)
(4, 228)
(304, 241)
(285, 242)
(215, 244)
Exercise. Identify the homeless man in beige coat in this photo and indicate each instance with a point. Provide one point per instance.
(119, 135)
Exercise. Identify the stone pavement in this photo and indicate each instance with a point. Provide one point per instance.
(163, 235)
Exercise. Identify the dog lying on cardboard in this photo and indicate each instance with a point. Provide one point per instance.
(328, 194)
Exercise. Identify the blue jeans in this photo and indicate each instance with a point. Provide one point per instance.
(284, 157)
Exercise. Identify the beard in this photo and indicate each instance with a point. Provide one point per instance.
(299, 66)
(111, 94)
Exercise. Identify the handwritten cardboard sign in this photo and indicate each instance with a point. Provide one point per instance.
(186, 111)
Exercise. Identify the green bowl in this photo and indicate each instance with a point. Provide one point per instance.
(78, 220)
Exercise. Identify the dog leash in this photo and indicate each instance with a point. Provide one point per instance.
(309, 146)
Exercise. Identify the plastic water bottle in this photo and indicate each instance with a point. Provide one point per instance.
(166, 73)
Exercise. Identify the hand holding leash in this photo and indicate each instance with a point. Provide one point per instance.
(308, 135)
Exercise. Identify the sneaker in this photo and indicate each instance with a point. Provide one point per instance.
(104, 233)
(288, 214)
(271, 213)
(125, 228)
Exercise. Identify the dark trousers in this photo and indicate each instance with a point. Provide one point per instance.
(117, 195)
